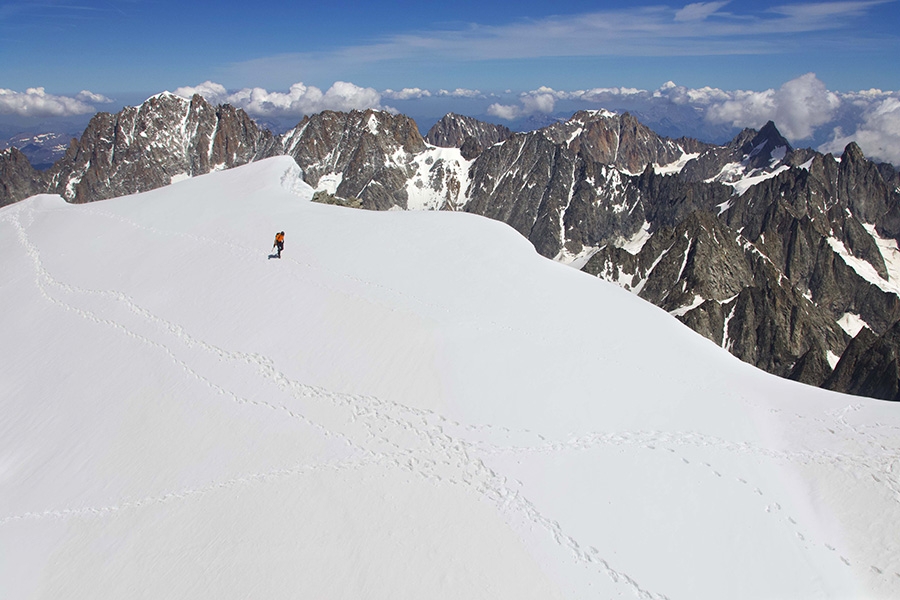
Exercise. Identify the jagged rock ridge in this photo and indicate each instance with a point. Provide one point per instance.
(804, 247)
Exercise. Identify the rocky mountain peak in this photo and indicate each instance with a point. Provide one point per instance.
(770, 132)
(147, 146)
(852, 153)
(767, 148)
(358, 154)
(863, 190)
(18, 179)
(751, 153)
(613, 139)
(391, 130)
(470, 135)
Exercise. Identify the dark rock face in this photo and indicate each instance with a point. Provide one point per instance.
(563, 187)
(373, 152)
(773, 327)
(469, 135)
(799, 218)
(18, 180)
(720, 285)
(870, 366)
(676, 264)
(861, 187)
(521, 182)
(370, 155)
(812, 368)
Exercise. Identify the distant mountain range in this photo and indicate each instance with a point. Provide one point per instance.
(788, 258)
(42, 149)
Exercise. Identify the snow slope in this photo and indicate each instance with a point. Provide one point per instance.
(406, 405)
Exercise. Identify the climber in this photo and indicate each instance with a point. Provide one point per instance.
(279, 242)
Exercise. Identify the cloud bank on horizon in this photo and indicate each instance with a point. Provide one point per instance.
(37, 102)
(798, 107)
(299, 100)
(802, 108)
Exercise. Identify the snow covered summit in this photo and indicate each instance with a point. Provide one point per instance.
(406, 405)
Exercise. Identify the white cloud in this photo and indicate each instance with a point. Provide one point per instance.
(212, 92)
(686, 96)
(743, 109)
(406, 94)
(698, 11)
(613, 91)
(88, 96)
(802, 108)
(460, 93)
(36, 102)
(506, 112)
(543, 100)
(822, 14)
(797, 108)
(879, 132)
(300, 99)
(803, 104)
(346, 96)
(540, 101)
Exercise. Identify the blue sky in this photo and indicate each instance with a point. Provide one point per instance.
(115, 46)
(491, 58)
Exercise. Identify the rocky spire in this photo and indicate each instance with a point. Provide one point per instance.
(18, 179)
(470, 135)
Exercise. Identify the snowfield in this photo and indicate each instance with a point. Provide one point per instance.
(406, 405)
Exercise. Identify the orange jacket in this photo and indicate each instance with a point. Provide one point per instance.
(279, 237)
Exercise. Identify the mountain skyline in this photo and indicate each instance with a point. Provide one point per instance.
(823, 71)
(810, 240)
(805, 110)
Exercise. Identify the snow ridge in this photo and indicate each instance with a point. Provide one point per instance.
(388, 411)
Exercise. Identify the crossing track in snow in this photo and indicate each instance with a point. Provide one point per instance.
(481, 458)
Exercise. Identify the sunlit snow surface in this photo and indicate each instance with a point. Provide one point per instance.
(852, 323)
(406, 405)
(677, 166)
